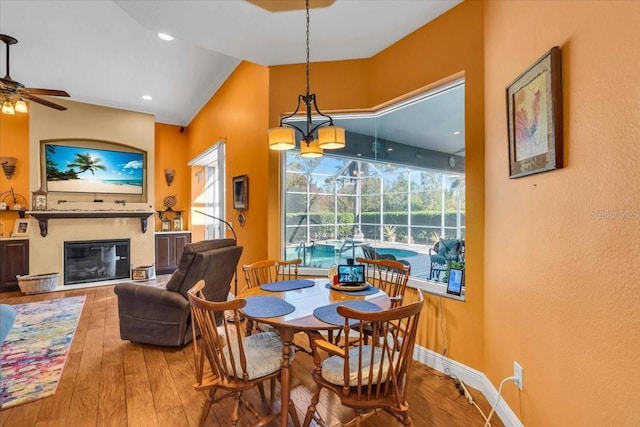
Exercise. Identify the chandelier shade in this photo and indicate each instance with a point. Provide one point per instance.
(331, 137)
(328, 137)
(282, 138)
(311, 149)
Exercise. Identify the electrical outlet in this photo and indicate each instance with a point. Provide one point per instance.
(517, 372)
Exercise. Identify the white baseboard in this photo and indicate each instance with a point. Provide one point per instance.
(470, 376)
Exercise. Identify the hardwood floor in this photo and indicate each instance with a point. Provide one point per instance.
(110, 382)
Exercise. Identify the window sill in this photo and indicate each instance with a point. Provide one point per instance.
(429, 286)
(435, 288)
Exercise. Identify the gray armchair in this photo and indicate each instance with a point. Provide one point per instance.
(160, 315)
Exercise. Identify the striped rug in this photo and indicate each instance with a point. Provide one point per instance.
(35, 351)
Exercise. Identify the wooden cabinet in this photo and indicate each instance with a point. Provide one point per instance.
(168, 250)
(14, 261)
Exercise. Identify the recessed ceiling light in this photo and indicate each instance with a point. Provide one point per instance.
(389, 149)
(165, 37)
(457, 132)
(147, 97)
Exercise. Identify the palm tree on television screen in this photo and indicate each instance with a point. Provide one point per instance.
(86, 162)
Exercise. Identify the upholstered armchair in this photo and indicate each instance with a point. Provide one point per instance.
(160, 314)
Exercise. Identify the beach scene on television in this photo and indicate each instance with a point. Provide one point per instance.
(90, 170)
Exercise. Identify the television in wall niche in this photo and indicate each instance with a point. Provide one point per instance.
(93, 167)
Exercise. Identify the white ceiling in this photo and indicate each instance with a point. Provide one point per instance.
(107, 52)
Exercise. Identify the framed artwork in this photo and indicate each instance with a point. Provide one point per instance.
(534, 117)
(241, 192)
(21, 228)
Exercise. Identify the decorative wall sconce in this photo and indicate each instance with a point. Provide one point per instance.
(8, 166)
(169, 174)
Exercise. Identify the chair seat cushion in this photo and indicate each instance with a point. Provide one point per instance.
(333, 367)
(263, 352)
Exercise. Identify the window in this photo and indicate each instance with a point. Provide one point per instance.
(397, 187)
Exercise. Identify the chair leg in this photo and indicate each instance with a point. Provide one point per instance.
(311, 410)
(207, 406)
(261, 390)
(293, 414)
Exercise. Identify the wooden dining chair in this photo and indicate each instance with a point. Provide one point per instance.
(389, 275)
(229, 362)
(368, 377)
(268, 271)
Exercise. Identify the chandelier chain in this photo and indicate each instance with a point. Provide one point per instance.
(308, 90)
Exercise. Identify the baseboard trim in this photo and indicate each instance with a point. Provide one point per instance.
(470, 376)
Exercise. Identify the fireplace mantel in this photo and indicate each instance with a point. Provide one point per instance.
(43, 217)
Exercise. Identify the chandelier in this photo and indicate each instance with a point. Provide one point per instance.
(328, 137)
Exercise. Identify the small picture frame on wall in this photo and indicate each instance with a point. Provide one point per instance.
(20, 228)
(534, 117)
(241, 192)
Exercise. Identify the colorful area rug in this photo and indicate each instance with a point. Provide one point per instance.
(35, 351)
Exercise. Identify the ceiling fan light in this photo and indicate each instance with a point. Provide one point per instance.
(331, 137)
(21, 106)
(310, 150)
(7, 107)
(282, 138)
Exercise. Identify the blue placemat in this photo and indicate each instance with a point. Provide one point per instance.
(287, 285)
(368, 291)
(329, 313)
(265, 306)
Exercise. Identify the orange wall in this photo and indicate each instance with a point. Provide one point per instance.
(435, 52)
(14, 142)
(561, 283)
(171, 152)
(237, 113)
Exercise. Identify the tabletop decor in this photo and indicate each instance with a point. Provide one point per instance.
(534, 113)
(329, 313)
(370, 290)
(34, 356)
(265, 306)
(287, 285)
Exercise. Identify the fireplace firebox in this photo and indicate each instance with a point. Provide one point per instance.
(96, 261)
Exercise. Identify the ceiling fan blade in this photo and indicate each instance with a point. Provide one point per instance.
(49, 92)
(42, 101)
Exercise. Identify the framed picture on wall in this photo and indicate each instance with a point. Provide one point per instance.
(20, 228)
(534, 117)
(241, 192)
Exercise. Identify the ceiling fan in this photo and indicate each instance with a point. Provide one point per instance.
(13, 93)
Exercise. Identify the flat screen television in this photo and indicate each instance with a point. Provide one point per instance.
(93, 167)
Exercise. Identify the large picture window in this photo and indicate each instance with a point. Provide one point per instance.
(396, 190)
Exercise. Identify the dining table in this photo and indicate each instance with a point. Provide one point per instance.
(300, 299)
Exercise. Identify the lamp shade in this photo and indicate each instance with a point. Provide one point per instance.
(282, 138)
(331, 137)
(7, 107)
(21, 106)
(310, 150)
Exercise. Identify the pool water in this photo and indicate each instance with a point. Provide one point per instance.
(323, 255)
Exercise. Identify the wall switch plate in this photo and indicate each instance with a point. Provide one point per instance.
(3, 206)
(517, 372)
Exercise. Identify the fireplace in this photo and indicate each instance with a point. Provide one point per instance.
(96, 261)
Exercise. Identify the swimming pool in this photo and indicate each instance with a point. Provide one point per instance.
(337, 252)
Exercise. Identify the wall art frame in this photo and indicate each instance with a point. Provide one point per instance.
(241, 192)
(534, 117)
(20, 228)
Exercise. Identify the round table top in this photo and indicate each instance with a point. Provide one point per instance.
(306, 300)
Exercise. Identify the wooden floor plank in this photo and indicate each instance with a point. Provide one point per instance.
(110, 382)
